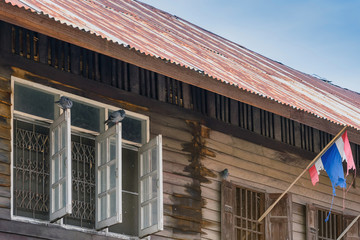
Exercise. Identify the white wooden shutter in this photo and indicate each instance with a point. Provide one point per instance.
(60, 167)
(150, 187)
(108, 178)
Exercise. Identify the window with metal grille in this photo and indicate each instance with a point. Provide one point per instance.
(330, 229)
(249, 206)
(42, 189)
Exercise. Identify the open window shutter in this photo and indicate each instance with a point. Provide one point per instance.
(60, 167)
(227, 210)
(354, 231)
(108, 177)
(279, 220)
(150, 187)
(311, 223)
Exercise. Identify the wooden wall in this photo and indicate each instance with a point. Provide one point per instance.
(5, 133)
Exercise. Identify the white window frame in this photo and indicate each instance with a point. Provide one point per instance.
(65, 178)
(156, 144)
(114, 131)
(145, 139)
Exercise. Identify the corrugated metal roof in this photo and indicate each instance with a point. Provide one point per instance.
(154, 32)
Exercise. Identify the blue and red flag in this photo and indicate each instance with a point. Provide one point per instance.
(331, 162)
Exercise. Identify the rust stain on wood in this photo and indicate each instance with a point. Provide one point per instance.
(186, 209)
(198, 150)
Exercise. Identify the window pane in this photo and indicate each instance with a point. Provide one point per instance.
(103, 180)
(103, 152)
(112, 175)
(63, 135)
(153, 213)
(145, 190)
(85, 116)
(153, 159)
(63, 194)
(131, 129)
(113, 203)
(103, 208)
(34, 102)
(112, 148)
(56, 198)
(145, 216)
(153, 186)
(56, 168)
(63, 166)
(56, 140)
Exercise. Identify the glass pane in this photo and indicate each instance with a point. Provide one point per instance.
(56, 169)
(145, 212)
(113, 203)
(85, 116)
(34, 102)
(153, 186)
(63, 166)
(56, 140)
(112, 148)
(131, 129)
(103, 180)
(56, 198)
(103, 152)
(154, 213)
(103, 208)
(63, 135)
(63, 194)
(112, 175)
(153, 159)
(145, 190)
(145, 163)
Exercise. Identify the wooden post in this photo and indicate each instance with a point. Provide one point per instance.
(310, 164)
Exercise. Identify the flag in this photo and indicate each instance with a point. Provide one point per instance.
(331, 162)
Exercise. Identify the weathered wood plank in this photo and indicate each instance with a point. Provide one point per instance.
(5, 180)
(5, 132)
(5, 168)
(75, 59)
(211, 105)
(134, 79)
(5, 37)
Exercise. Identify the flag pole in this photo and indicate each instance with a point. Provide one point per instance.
(310, 164)
(348, 227)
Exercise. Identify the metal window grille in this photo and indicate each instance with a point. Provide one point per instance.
(31, 170)
(31, 175)
(330, 229)
(83, 182)
(249, 207)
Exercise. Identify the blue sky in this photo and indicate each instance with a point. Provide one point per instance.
(319, 37)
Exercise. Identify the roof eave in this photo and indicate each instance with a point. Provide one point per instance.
(47, 26)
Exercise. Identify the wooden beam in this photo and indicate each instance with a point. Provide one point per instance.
(45, 25)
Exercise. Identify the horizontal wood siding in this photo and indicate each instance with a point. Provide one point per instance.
(298, 221)
(254, 166)
(5, 142)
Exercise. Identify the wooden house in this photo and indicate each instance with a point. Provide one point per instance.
(196, 104)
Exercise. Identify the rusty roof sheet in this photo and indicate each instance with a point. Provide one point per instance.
(154, 32)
